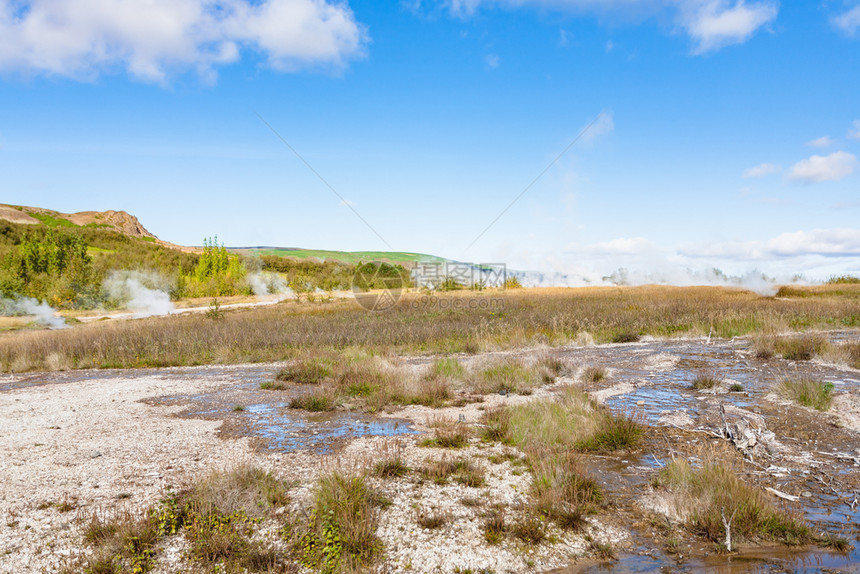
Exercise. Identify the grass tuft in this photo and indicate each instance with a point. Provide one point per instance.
(340, 533)
(808, 392)
(706, 379)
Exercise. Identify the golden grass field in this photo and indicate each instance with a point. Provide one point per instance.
(463, 321)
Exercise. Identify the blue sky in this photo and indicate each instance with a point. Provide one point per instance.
(727, 132)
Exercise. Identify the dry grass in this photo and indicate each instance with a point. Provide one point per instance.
(460, 470)
(808, 392)
(431, 519)
(530, 316)
(845, 353)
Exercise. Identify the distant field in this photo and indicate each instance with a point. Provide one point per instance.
(443, 323)
(351, 257)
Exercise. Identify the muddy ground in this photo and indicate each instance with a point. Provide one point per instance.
(76, 441)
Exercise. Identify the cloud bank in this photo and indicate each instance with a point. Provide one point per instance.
(82, 38)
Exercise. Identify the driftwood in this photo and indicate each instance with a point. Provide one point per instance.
(782, 495)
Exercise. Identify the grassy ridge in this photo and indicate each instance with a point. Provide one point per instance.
(419, 325)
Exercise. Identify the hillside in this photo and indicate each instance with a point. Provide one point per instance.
(349, 257)
(118, 221)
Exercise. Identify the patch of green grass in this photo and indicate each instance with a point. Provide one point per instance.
(508, 375)
(614, 432)
(808, 392)
(736, 388)
(448, 368)
(273, 386)
(52, 221)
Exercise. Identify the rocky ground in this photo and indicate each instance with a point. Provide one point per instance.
(78, 442)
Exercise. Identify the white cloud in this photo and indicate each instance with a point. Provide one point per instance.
(854, 130)
(81, 38)
(817, 168)
(492, 60)
(761, 170)
(715, 24)
(848, 22)
(824, 242)
(821, 142)
(711, 24)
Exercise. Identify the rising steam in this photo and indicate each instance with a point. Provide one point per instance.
(265, 282)
(43, 313)
(146, 294)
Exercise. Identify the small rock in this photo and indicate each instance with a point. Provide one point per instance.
(640, 403)
(95, 454)
(806, 494)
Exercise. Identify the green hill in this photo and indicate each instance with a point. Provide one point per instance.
(349, 257)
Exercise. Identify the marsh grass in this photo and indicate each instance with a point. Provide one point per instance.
(552, 316)
(795, 347)
(702, 495)
(808, 391)
(561, 489)
(569, 420)
(706, 379)
(551, 432)
(593, 374)
(310, 369)
(448, 433)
